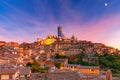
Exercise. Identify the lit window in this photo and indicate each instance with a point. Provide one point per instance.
(91, 70)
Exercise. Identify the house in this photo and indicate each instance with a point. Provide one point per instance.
(57, 74)
(2, 43)
(12, 58)
(24, 72)
(3, 61)
(60, 62)
(27, 60)
(8, 72)
(85, 70)
(38, 76)
(46, 64)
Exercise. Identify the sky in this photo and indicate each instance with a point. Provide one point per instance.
(92, 20)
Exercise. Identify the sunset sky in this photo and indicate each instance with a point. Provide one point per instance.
(92, 20)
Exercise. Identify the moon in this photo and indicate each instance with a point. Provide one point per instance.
(106, 4)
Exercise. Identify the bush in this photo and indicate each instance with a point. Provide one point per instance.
(58, 65)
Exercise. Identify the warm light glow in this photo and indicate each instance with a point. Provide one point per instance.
(48, 40)
(62, 53)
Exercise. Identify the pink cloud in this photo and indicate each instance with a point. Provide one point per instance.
(105, 29)
(101, 30)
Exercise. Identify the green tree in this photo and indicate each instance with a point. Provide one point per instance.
(35, 66)
(58, 65)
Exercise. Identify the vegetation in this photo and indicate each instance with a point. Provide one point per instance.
(116, 75)
(35, 67)
(58, 65)
(77, 59)
(111, 61)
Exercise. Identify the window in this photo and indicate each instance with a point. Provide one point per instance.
(25, 75)
(91, 70)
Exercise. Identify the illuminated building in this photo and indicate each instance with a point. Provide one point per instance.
(2, 43)
(48, 40)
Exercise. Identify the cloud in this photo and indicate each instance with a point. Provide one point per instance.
(105, 30)
(19, 25)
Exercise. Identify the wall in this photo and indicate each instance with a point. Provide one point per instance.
(4, 77)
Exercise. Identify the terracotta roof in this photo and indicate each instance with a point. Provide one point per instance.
(38, 76)
(63, 75)
(8, 70)
(23, 78)
(46, 62)
(82, 66)
(24, 70)
(59, 60)
(89, 67)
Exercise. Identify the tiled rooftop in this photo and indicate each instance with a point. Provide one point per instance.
(24, 70)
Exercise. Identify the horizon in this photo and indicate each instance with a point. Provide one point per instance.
(90, 20)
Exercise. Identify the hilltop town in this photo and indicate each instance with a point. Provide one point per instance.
(58, 57)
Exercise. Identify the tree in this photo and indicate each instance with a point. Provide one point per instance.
(58, 65)
(35, 66)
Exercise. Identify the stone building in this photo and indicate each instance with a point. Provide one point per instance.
(62, 75)
(8, 73)
(85, 70)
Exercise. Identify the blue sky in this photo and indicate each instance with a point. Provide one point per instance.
(25, 20)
